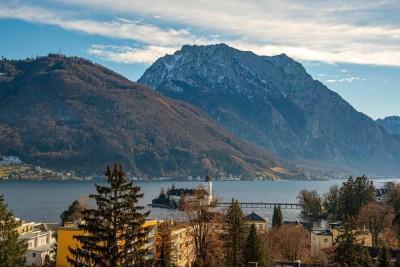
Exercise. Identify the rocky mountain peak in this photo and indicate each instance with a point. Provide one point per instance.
(391, 124)
(272, 101)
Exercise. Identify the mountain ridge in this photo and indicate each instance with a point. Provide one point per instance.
(275, 103)
(391, 124)
(66, 112)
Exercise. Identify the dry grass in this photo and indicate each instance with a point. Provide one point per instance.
(7, 170)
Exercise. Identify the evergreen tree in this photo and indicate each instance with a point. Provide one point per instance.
(347, 252)
(277, 218)
(384, 257)
(12, 251)
(254, 250)
(353, 195)
(235, 236)
(113, 232)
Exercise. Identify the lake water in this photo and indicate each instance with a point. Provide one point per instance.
(44, 201)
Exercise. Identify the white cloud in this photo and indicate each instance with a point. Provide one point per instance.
(126, 54)
(329, 31)
(121, 28)
(344, 80)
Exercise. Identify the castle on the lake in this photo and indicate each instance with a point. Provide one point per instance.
(173, 197)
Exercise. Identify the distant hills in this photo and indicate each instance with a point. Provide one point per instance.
(273, 102)
(68, 113)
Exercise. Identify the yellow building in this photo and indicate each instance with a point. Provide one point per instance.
(25, 227)
(66, 239)
(322, 239)
(177, 243)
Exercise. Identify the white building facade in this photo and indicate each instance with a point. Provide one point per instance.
(40, 244)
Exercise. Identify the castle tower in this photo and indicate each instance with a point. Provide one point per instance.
(207, 184)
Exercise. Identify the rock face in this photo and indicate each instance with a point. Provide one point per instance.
(273, 102)
(391, 124)
(68, 113)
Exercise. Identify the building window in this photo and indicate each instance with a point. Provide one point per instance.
(325, 240)
(34, 255)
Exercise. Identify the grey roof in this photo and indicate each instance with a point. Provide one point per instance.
(306, 225)
(255, 217)
(180, 192)
(322, 232)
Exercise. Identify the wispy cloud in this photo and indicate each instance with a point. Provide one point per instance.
(343, 80)
(127, 54)
(119, 27)
(329, 31)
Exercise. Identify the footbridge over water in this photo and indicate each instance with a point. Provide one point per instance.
(261, 205)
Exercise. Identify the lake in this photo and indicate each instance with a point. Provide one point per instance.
(44, 201)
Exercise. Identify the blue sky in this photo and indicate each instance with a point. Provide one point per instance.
(350, 46)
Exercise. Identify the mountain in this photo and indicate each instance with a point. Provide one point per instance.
(391, 124)
(275, 103)
(68, 113)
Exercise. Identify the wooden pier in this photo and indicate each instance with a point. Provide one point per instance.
(261, 205)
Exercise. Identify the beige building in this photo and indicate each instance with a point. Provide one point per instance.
(179, 241)
(182, 247)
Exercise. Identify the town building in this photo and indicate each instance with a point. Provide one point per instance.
(40, 242)
(182, 247)
(65, 239)
(325, 238)
(258, 220)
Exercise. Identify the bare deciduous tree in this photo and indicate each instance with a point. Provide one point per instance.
(206, 227)
(376, 217)
(288, 243)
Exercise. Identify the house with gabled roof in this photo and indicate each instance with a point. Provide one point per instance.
(258, 220)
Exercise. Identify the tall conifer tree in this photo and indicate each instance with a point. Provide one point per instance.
(277, 218)
(254, 249)
(347, 251)
(235, 236)
(113, 232)
(12, 251)
(353, 195)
